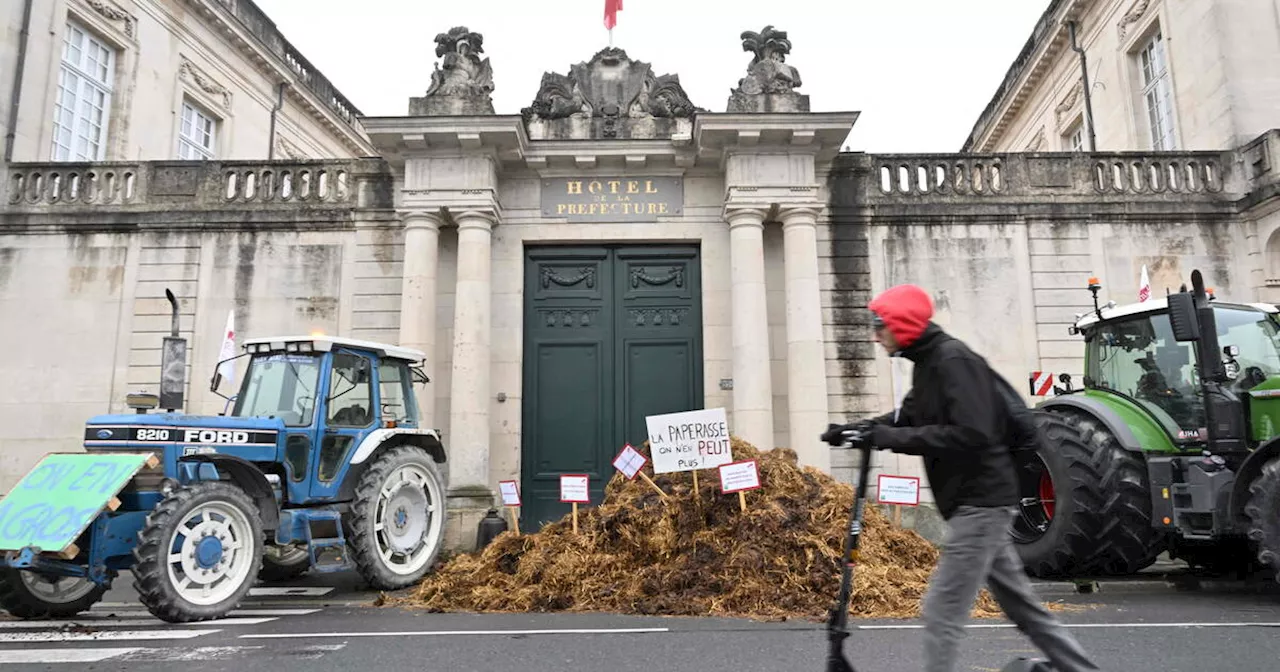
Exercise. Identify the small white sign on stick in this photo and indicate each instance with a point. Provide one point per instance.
(629, 462)
(689, 441)
(904, 490)
(739, 477)
(574, 488)
(510, 493)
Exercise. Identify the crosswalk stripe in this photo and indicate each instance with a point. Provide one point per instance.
(134, 612)
(32, 656)
(124, 623)
(285, 590)
(128, 635)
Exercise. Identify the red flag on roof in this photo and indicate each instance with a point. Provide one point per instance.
(611, 9)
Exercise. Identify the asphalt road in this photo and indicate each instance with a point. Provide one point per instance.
(1131, 626)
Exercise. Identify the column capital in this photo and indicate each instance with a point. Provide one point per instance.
(421, 219)
(738, 216)
(475, 218)
(799, 215)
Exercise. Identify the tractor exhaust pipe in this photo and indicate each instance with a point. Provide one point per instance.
(173, 363)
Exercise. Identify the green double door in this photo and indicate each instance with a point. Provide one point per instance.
(611, 334)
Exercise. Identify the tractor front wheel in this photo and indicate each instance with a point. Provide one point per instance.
(28, 594)
(396, 525)
(199, 552)
(284, 563)
(1058, 521)
(1263, 512)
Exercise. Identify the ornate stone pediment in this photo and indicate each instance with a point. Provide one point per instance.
(771, 83)
(610, 96)
(462, 82)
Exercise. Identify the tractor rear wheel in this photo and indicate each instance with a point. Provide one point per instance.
(1128, 541)
(1059, 519)
(396, 525)
(1263, 513)
(28, 594)
(198, 553)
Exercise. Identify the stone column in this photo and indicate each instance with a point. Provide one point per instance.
(806, 360)
(418, 299)
(752, 380)
(469, 430)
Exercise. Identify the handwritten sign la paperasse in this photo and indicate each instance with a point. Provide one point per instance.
(612, 199)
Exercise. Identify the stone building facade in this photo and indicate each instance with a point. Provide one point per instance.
(156, 80)
(612, 251)
(1162, 76)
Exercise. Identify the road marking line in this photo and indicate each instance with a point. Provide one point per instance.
(136, 613)
(30, 656)
(300, 590)
(446, 633)
(1087, 625)
(8, 637)
(120, 623)
(170, 654)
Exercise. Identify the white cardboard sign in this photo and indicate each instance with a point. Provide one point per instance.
(510, 493)
(903, 490)
(739, 477)
(574, 488)
(689, 441)
(630, 461)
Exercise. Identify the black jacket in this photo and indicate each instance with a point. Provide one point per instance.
(958, 418)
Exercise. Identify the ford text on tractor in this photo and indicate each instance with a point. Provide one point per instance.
(320, 464)
(1171, 445)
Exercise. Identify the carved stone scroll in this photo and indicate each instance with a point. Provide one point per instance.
(191, 74)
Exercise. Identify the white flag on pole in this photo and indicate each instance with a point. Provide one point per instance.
(1144, 286)
(228, 369)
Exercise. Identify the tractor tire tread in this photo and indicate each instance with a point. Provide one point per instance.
(362, 543)
(1263, 519)
(1075, 544)
(19, 603)
(150, 567)
(1128, 540)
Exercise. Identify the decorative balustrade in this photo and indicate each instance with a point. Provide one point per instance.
(1151, 174)
(981, 177)
(198, 184)
(261, 26)
(74, 184)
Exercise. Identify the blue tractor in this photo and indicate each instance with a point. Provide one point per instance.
(319, 464)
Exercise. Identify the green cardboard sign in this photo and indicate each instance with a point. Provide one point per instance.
(61, 496)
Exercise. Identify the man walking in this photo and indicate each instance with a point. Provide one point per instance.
(957, 418)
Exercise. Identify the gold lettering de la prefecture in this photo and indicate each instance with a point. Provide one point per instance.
(602, 190)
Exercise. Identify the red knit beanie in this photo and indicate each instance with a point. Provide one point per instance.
(906, 310)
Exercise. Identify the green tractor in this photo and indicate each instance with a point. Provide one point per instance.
(1170, 446)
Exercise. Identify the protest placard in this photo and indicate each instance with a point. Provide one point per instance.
(689, 440)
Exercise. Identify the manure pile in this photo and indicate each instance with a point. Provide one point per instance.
(636, 554)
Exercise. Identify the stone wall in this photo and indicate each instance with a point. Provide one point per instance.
(87, 252)
(1005, 243)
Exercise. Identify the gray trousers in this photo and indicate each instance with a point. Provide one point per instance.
(978, 550)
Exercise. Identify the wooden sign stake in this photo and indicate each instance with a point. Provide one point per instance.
(742, 501)
(575, 517)
(655, 485)
(515, 519)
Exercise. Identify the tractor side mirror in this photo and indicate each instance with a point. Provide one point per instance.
(1182, 317)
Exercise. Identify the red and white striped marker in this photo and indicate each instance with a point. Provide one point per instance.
(1041, 383)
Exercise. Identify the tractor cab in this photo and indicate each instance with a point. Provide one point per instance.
(331, 394)
(1133, 353)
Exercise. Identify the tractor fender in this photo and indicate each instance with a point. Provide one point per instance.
(380, 440)
(251, 479)
(1101, 412)
(427, 439)
(1250, 469)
